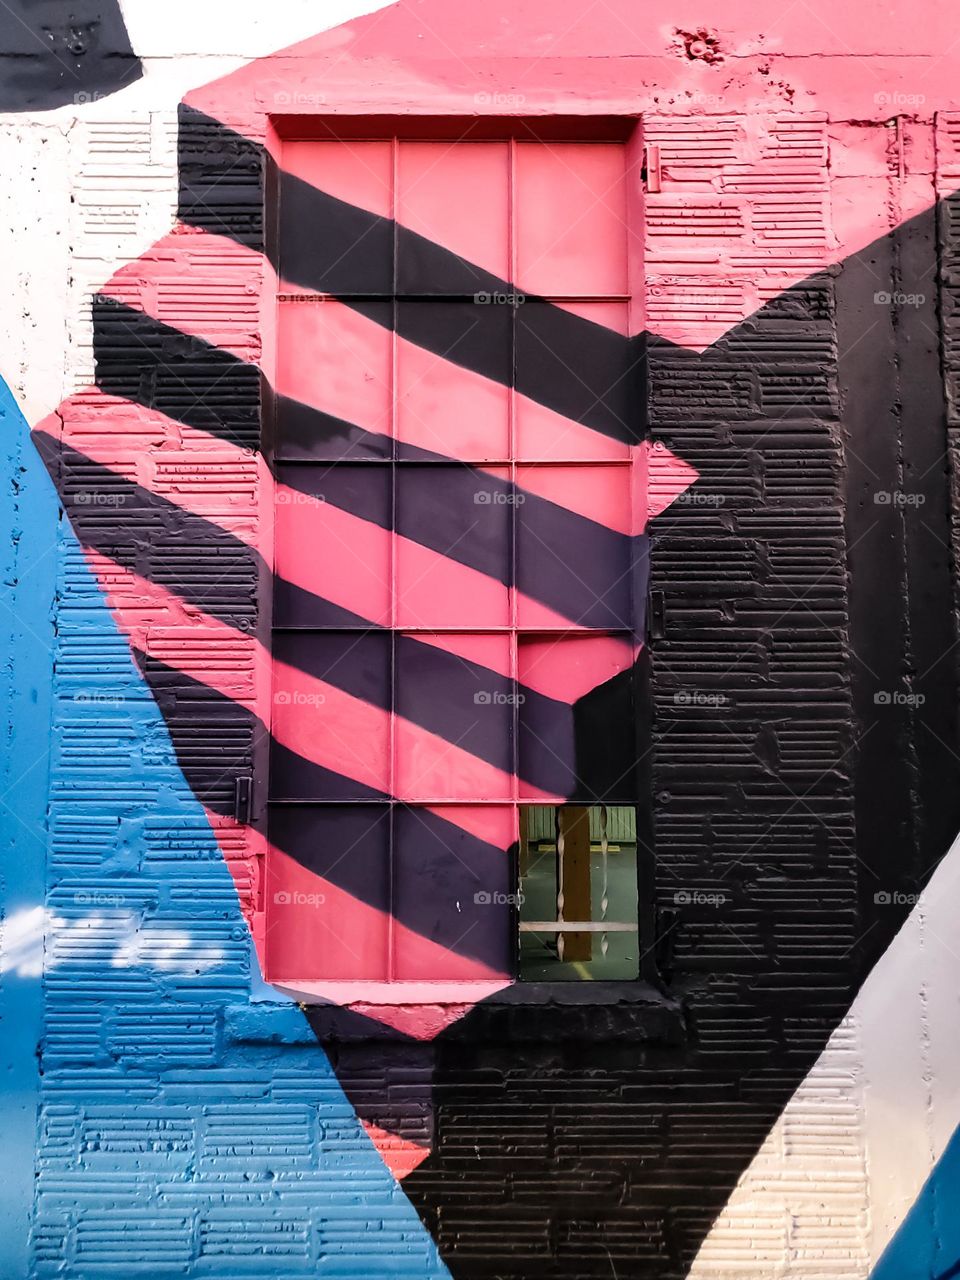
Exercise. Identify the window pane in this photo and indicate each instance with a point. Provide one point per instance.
(332, 546)
(576, 726)
(330, 715)
(335, 211)
(455, 707)
(571, 219)
(454, 703)
(453, 553)
(454, 200)
(572, 568)
(334, 380)
(578, 885)
(453, 888)
(328, 891)
(453, 377)
(578, 377)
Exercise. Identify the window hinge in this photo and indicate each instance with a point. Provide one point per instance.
(242, 799)
(653, 167)
(665, 940)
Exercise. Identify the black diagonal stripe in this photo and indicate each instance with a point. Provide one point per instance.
(191, 557)
(215, 738)
(192, 381)
(585, 572)
(187, 379)
(188, 555)
(463, 702)
(309, 435)
(216, 741)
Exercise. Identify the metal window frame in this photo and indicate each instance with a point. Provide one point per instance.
(621, 129)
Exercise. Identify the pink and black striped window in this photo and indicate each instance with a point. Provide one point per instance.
(461, 489)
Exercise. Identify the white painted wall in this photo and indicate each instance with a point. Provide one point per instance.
(91, 185)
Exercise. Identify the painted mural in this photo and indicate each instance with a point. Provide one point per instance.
(430, 427)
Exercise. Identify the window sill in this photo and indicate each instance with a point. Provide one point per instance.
(516, 1013)
(563, 1012)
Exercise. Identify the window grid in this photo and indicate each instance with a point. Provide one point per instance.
(516, 628)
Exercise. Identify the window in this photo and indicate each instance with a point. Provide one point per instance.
(459, 561)
(578, 893)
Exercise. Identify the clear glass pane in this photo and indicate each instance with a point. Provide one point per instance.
(578, 894)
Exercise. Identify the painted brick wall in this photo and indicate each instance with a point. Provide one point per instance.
(775, 1104)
